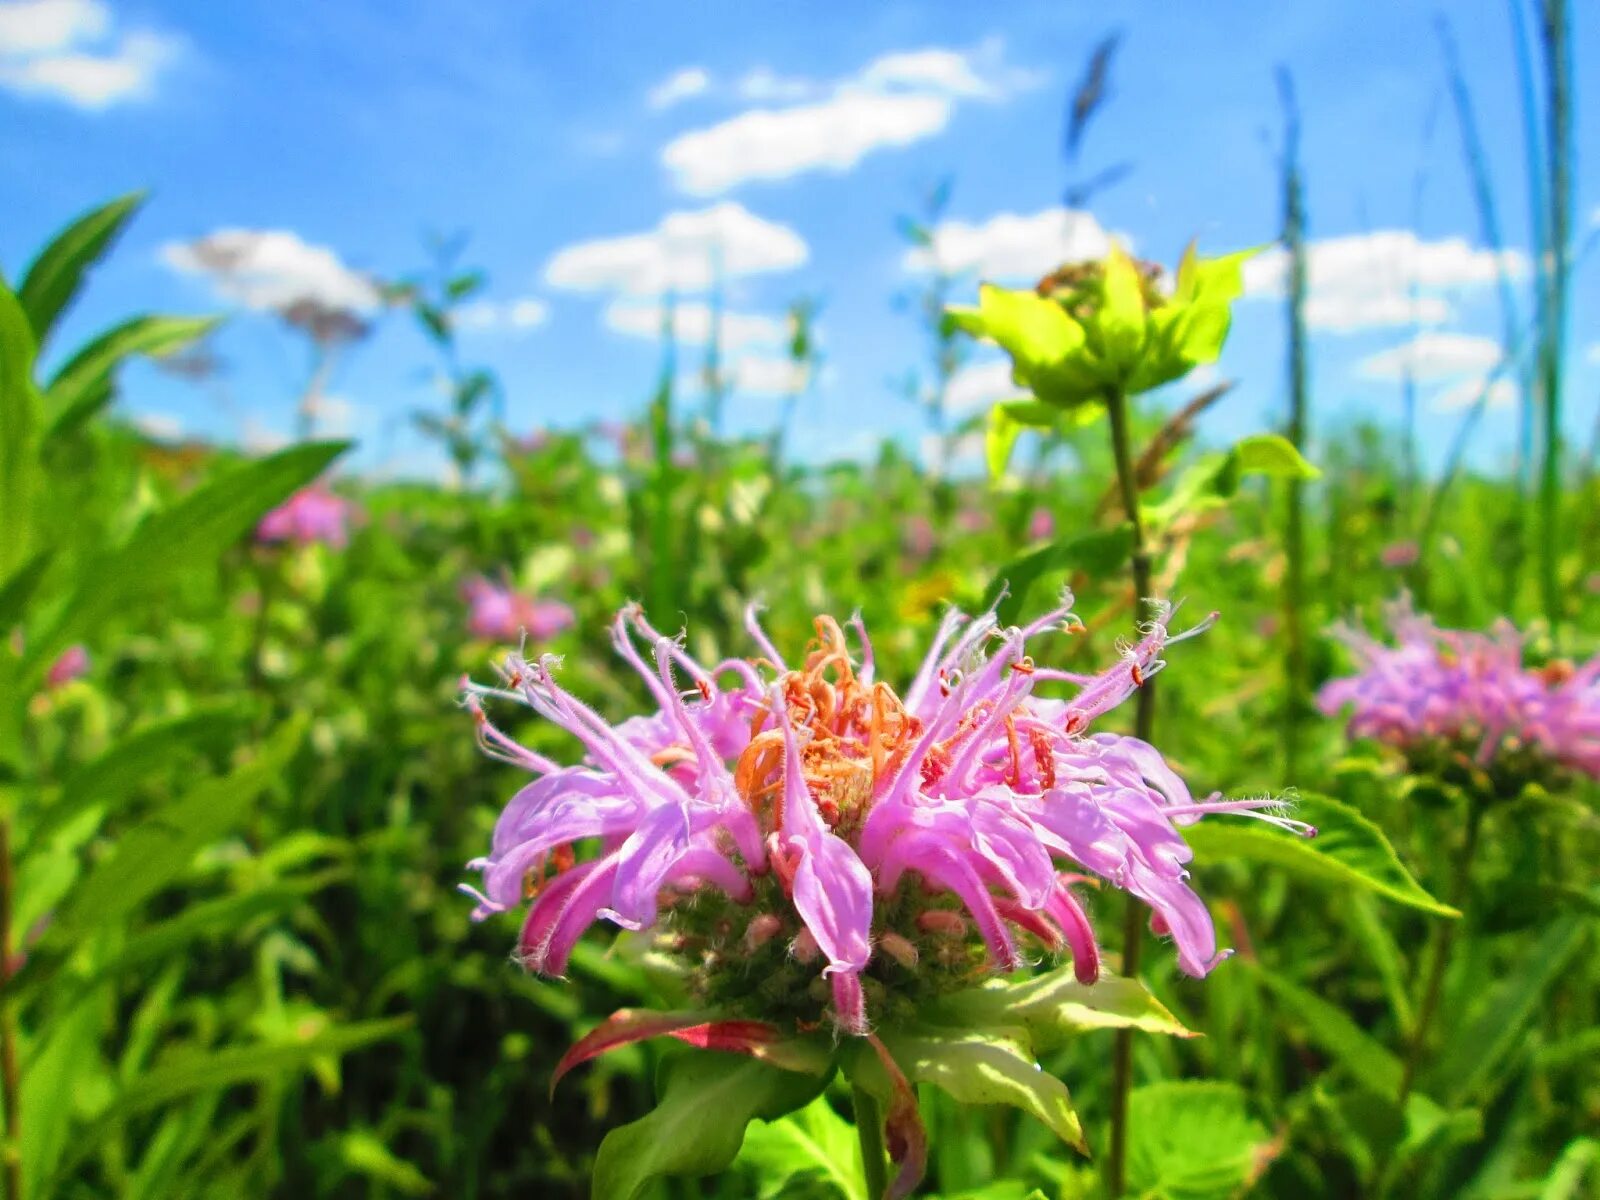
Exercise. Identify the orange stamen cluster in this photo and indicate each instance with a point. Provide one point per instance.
(860, 734)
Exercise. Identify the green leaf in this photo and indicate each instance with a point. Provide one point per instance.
(1055, 1007)
(70, 1051)
(1372, 1066)
(191, 533)
(1477, 1051)
(1194, 1141)
(160, 849)
(1271, 454)
(1577, 1163)
(21, 422)
(983, 1066)
(466, 284)
(1215, 280)
(114, 776)
(1099, 554)
(83, 384)
(54, 277)
(705, 1101)
(19, 588)
(813, 1149)
(1120, 317)
(363, 1152)
(1005, 424)
(1348, 850)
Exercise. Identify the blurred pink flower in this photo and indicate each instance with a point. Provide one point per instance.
(73, 664)
(500, 613)
(313, 514)
(972, 520)
(1041, 525)
(918, 539)
(1399, 554)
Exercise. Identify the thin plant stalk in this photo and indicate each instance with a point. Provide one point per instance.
(1444, 939)
(1295, 673)
(1144, 723)
(10, 1077)
(1554, 262)
(869, 1133)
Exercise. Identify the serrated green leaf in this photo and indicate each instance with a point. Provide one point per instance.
(1194, 1141)
(985, 1066)
(813, 1149)
(54, 277)
(190, 533)
(1054, 1007)
(83, 384)
(1099, 553)
(677, 1138)
(1370, 1064)
(1348, 849)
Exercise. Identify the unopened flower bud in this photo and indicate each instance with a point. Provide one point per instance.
(942, 920)
(804, 948)
(899, 949)
(762, 930)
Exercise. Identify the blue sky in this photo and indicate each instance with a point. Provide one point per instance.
(596, 153)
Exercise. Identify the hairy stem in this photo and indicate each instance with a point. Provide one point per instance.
(869, 1131)
(1144, 722)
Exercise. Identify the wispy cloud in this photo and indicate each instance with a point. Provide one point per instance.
(1433, 355)
(1012, 246)
(71, 51)
(272, 270)
(692, 323)
(1502, 393)
(686, 252)
(978, 385)
(497, 316)
(677, 87)
(1386, 278)
(895, 100)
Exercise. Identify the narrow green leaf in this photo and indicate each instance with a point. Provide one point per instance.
(1348, 849)
(193, 532)
(70, 1052)
(1578, 1162)
(1478, 1050)
(156, 852)
(1194, 1141)
(984, 1066)
(1099, 553)
(54, 277)
(705, 1102)
(1371, 1065)
(83, 384)
(21, 422)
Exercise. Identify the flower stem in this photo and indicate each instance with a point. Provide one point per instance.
(1144, 722)
(869, 1130)
(10, 1081)
(1444, 937)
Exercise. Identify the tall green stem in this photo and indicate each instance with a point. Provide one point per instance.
(1558, 116)
(1294, 582)
(869, 1131)
(1444, 938)
(10, 1079)
(1143, 726)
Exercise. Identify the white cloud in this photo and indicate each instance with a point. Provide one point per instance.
(895, 100)
(271, 269)
(1433, 355)
(341, 417)
(1502, 394)
(163, 427)
(833, 134)
(67, 50)
(45, 26)
(1365, 281)
(978, 385)
(261, 439)
(691, 324)
(520, 315)
(762, 375)
(686, 252)
(679, 86)
(1011, 246)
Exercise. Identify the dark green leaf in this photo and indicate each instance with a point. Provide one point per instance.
(19, 588)
(1327, 1026)
(1099, 554)
(21, 424)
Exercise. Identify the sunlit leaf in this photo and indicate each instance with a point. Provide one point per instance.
(21, 422)
(1194, 1141)
(82, 384)
(54, 277)
(813, 1151)
(1054, 1006)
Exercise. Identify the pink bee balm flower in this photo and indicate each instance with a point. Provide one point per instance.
(1437, 690)
(808, 838)
(1041, 525)
(313, 514)
(73, 663)
(501, 614)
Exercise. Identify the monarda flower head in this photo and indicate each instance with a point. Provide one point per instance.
(814, 844)
(313, 514)
(1463, 703)
(499, 612)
